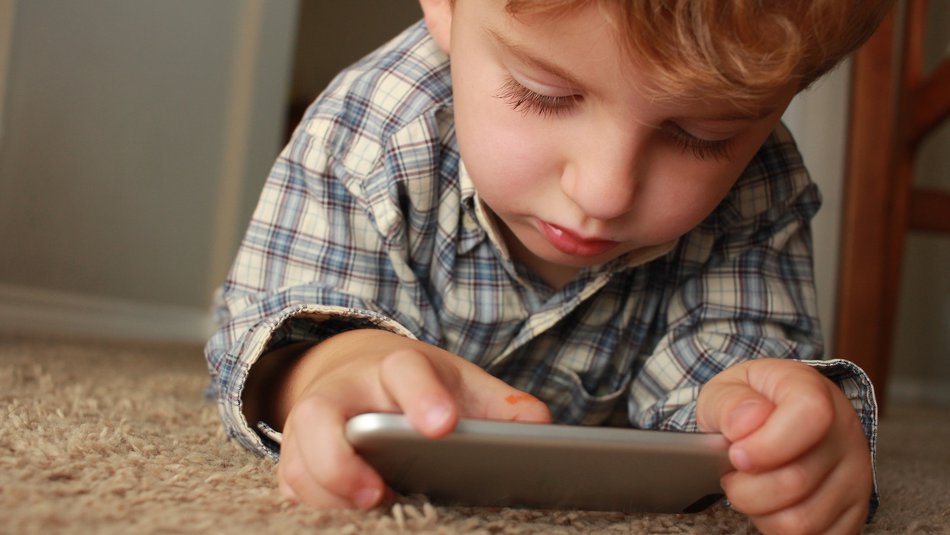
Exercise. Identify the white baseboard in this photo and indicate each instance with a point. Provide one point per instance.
(916, 390)
(35, 311)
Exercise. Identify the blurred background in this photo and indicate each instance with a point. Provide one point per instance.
(135, 137)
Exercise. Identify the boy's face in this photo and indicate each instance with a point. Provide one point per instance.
(577, 164)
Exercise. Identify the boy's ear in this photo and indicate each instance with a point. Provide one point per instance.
(438, 15)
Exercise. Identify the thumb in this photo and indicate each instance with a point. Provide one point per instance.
(731, 407)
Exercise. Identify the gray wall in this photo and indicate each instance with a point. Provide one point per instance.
(111, 117)
(818, 119)
(132, 130)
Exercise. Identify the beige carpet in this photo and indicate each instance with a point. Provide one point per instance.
(115, 438)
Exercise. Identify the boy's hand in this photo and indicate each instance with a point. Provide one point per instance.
(802, 461)
(377, 371)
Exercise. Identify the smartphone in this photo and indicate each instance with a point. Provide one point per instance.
(508, 464)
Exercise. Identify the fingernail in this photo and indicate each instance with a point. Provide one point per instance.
(437, 416)
(366, 498)
(739, 459)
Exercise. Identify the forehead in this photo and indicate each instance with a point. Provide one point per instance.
(578, 44)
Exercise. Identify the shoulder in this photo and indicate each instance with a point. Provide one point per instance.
(775, 185)
(396, 92)
(773, 199)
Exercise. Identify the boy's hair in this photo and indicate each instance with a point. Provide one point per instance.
(740, 50)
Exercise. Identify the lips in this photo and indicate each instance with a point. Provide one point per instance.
(570, 243)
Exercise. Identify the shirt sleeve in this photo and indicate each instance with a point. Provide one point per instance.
(343, 218)
(744, 290)
(313, 263)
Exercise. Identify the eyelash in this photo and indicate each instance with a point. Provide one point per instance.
(701, 148)
(522, 99)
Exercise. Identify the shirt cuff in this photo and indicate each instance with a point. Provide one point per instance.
(857, 387)
(301, 323)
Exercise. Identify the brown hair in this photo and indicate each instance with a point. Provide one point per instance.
(741, 50)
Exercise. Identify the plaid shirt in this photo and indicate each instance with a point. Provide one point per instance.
(368, 219)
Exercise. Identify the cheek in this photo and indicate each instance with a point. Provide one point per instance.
(501, 149)
(685, 190)
(674, 206)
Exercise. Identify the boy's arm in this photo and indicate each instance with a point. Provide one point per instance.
(313, 264)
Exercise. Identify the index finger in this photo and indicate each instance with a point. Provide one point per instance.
(421, 391)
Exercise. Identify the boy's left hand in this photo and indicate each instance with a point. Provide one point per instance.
(803, 464)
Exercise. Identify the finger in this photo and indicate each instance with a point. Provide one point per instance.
(850, 521)
(731, 407)
(285, 489)
(768, 492)
(295, 482)
(318, 464)
(421, 390)
(426, 386)
(804, 412)
(843, 496)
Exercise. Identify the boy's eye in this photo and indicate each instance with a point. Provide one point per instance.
(520, 98)
(701, 148)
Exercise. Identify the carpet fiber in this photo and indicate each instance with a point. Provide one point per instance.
(115, 438)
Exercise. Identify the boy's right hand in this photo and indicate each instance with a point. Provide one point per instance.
(376, 371)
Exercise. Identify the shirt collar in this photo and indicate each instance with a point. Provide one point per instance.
(488, 223)
(642, 256)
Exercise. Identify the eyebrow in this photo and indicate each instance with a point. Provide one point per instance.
(525, 56)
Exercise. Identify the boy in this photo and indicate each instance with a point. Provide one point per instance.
(597, 206)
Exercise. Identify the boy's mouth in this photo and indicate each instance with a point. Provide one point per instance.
(570, 243)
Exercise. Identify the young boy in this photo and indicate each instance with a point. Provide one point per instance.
(595, 205)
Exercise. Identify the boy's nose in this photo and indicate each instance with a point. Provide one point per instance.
(603, 183)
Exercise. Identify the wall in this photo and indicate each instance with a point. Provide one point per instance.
(818, 119)
(132, 130)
